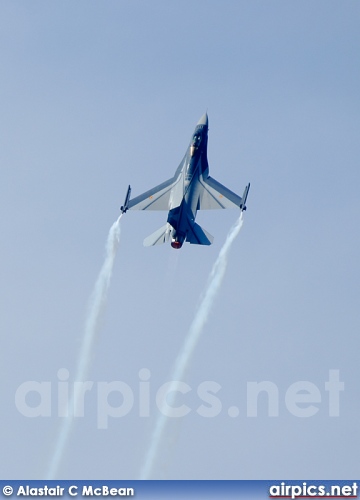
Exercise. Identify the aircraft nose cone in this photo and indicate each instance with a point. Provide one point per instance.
(203, 120)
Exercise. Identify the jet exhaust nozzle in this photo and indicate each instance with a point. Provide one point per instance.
(177, 240)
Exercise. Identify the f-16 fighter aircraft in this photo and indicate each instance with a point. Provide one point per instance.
(191, 189)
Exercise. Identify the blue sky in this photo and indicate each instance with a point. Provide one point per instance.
(97, 95)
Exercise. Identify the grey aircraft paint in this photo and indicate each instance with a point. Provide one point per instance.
(191, 189)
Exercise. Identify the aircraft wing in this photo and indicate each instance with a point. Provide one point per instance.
(215, 195)
(156, 198)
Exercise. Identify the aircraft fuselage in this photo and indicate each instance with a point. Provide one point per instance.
(185, 194)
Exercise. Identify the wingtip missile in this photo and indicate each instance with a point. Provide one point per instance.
(125, 207)
(244, 197)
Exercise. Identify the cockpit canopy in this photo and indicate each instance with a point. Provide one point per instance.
(196, 140)
(195, 143)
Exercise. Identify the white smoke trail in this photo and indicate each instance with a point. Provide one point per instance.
(96, 307)
(190, 343)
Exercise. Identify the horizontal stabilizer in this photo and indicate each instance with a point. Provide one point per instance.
(159, 237)
(198, 236)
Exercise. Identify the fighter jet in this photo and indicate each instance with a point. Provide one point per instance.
(191, 189)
